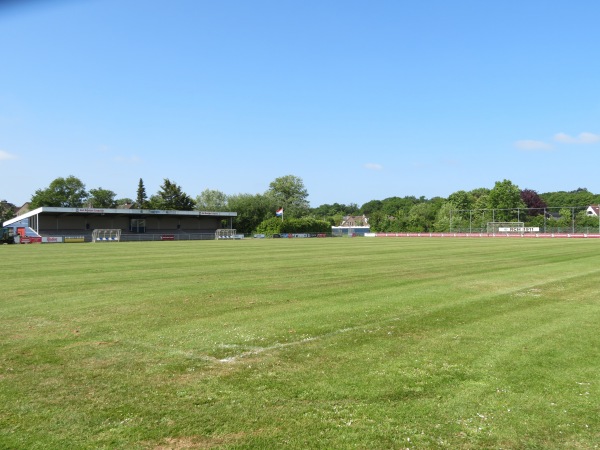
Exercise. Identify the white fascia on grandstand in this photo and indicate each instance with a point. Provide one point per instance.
(171, 212)
(23, 220)
(56, 209)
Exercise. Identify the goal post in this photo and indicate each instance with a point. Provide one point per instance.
(505, 227)
(106, 235)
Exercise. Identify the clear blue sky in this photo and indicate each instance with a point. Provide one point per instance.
(363, 100)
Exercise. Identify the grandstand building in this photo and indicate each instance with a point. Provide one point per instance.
(134, 224)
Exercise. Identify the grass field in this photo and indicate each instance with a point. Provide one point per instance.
(316, 343)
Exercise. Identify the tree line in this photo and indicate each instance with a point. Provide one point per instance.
(473, 210)
(462, 210)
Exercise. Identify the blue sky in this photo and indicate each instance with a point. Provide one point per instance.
(362, 100)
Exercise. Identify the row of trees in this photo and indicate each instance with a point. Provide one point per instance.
(462, 210)
(472, 210)
(70, 192)
(286, 192)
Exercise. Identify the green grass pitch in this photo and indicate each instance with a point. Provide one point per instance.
(304, 343)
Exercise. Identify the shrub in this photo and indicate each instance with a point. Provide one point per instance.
(275, 225)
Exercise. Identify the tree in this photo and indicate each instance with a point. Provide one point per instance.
(421, 217)
(124, 201)
(141, 200)
(462, 200)
(533, 201)
(397, 206)
(588, 222)
(336, 209)
(371, 207)
(505, 200)
(478, 193)
(211, 200)
(102, 198)
(289, 193)
(63, 192)
(444, 217)
(251, 210)
(377, 221)
(171, 197)
(578, 197)
(565, 220)
(481, 214)
(7, 211)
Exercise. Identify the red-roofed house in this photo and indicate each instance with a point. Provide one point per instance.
(593, 211)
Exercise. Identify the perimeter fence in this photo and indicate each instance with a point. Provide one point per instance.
(566, 219)
(148, 237)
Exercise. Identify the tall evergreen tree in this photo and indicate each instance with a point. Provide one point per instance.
(141, 199)
(171, 197)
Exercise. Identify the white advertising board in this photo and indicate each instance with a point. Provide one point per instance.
(519, 229)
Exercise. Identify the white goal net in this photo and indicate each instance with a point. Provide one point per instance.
(106, 235)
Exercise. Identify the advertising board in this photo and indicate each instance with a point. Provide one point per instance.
(52, 239)
(74, 239)
(30, 240)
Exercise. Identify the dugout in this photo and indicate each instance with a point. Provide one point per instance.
(56, 221)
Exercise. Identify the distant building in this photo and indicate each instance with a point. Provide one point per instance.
(352, 226)
(593, 211)
(23, 209)
(355, 221)
(553, 215)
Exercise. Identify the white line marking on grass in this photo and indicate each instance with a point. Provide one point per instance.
(259, 350)
(277, 346)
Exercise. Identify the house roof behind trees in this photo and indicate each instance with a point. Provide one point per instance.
(355, 221)
(593, 210)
